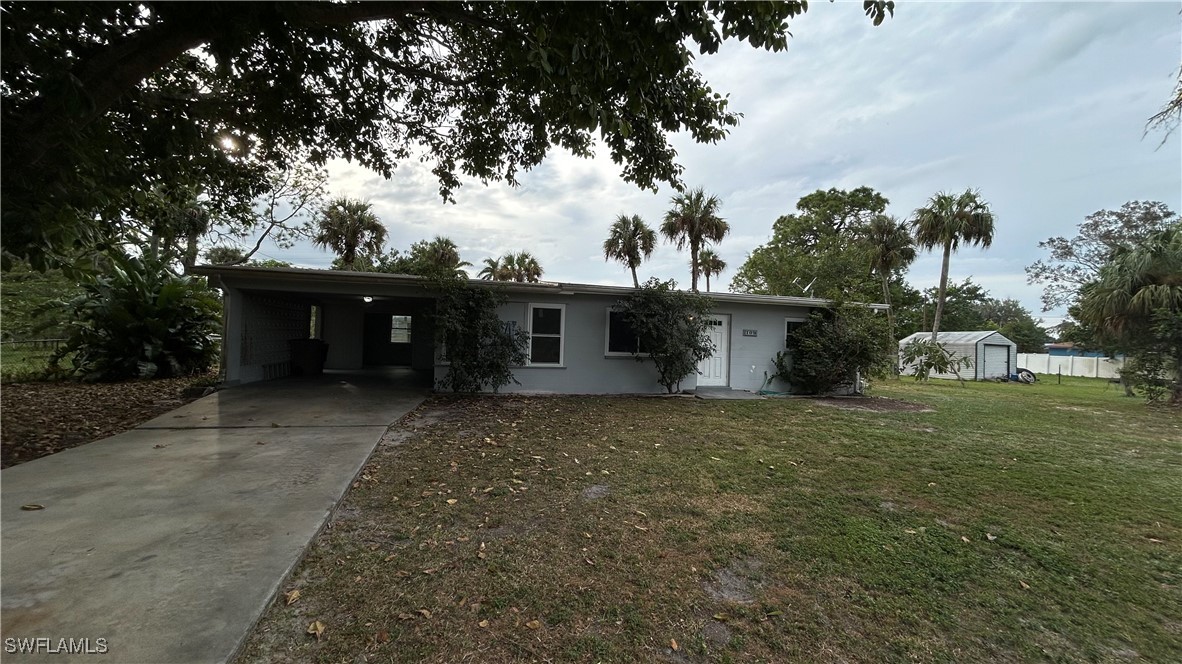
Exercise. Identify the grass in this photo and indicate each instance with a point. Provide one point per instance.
(1009, 523)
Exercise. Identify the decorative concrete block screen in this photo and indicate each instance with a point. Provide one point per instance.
(268, 324)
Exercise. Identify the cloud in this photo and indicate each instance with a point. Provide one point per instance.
(1040, 106)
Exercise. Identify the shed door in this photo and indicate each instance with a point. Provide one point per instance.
(997, 361)
(713, 370)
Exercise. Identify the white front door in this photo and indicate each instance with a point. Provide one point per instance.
(713, 371)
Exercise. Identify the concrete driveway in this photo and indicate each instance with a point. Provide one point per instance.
(165, 543)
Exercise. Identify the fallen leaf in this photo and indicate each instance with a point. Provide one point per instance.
(534, 624)
(316, 629)
(673, 644)
(963, 538)
(1024, 585)
(291, 596)
(589, 562)
(721, 617)
(381, 637)
(990, 536)
(159, 446)
(909, 531)
(482, 624)
(481, 555)
(424, 613)
(770, 614)
(404, 616)
(274, 425)
(452, 501)
(32, 507)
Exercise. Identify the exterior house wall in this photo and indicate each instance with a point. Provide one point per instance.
(587, 369)
(344, 329)
(752, 358)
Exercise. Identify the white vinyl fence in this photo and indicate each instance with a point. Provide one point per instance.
(1088, 367)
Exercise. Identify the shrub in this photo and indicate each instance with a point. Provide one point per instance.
(671, 326)
(828, 351)
(1154, 367)
(140, 320)
(481, 348)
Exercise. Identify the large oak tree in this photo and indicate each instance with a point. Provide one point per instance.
(101, 100)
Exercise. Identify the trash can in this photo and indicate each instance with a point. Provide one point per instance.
(308, 356)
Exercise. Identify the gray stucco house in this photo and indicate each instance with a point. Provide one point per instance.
(577, 344)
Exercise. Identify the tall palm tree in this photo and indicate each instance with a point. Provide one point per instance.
(630, 241)
(349, 228)
(491, 270)
(1138, 284)
(520, 267)
(711, 264)
(694, 221)
(947, 221)
(891, 248)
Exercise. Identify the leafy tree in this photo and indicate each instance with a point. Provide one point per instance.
(350, 228)
(24, 313)
(630, 241)
(103, 100)
(292, 194)
(693, 221)
(1167, 119)
(225, 255)
(1077, 261)
(1136, 300)
(820, 250)
(1027, 334)
(947, 221)
(830, 349)
(481, 350)
(891, 250)
(671, 326)
(711, 264)
(141, 320)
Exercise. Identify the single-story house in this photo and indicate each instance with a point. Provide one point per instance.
(577, 343)
(993, 355)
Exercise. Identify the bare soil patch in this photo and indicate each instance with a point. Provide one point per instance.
(40, 419)
(875, 404)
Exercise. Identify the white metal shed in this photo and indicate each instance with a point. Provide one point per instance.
(993, 355)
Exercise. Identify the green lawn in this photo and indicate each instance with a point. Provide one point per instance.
(1010, 523)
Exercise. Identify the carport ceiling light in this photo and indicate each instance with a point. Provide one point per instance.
(366, 298)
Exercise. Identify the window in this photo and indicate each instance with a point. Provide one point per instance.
(790, 326)
(399, 329)
(621, 339)
(546, 327)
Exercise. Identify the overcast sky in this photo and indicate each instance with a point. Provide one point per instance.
(1041, 106)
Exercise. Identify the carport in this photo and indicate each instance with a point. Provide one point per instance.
(367, 321)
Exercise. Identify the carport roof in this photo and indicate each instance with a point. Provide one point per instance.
(305, 279)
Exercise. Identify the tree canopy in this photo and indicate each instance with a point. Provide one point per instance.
(104, 100)
(1076, 262)
(820, 250)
